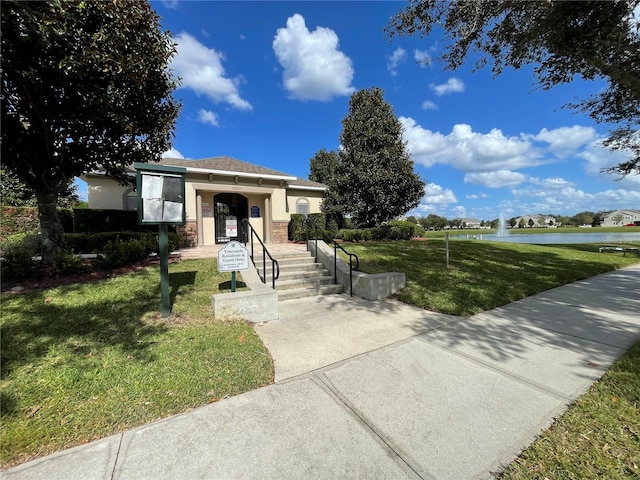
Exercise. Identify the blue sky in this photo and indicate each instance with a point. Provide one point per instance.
(269, 83)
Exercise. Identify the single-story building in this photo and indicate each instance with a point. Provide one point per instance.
(537, 221)
(219, 193)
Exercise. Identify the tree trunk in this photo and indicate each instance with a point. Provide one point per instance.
(50, 226)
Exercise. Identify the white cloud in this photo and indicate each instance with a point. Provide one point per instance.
(207, 116)
(453, 85)
(201, 70)
(429, 105)
(469, 151)
(172, 153)
(398, 56)
(172, 4)
(475, 196)
(314, 68)
(434, 193)
(422, 57)
(565, 139)
(497, 179)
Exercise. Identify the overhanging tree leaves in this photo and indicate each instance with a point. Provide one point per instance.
(561, 39)
(85, 86)
(375, 181)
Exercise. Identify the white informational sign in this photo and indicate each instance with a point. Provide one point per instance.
(231, 228)
(162, 198)
(233, 257)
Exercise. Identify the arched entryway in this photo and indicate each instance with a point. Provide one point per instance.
(230, 210)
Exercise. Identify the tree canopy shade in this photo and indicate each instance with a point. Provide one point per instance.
(373, 179)
(562, 39)
(85, 86)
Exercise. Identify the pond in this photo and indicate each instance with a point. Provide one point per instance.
(554, 238)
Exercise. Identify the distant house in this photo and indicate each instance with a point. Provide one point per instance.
(220, 193)
(537, 221)
(620, 218)
(472, 223)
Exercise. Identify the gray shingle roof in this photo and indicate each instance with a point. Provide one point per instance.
(228, 164)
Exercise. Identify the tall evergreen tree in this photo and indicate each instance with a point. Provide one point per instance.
(375, 179)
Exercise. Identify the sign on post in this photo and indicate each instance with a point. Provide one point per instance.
(233, 257)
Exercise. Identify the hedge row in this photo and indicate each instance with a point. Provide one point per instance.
(15, 220)
(395, 230)
(296, 228)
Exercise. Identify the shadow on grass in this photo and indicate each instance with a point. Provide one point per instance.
(224, 286)
(181, 279)
(100, 314)
(596, 317)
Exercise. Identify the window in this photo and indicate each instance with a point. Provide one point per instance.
(302, 206)
(131, 199)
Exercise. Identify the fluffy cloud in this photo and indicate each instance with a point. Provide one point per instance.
(566, 139)
(314, 68)
(207, 116)
(173, 153)
(435, 199)
(469, 151)
(422, 57)
(429, 105)
(201, 70)
(497, 179)
(453, 85)
(398, 56)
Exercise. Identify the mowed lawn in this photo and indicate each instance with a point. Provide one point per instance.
(482, 274)
(84, 361)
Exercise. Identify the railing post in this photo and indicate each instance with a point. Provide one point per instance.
(335, 262)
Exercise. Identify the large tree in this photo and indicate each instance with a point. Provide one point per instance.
(374, 180)
(16, 194)
(561, 39)
(85, 86)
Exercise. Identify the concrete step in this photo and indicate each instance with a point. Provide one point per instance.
(303, 267)
(300, 274)
(284, 295)
(303, 282)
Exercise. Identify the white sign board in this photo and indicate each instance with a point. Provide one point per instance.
(233, 257)
(231, 228)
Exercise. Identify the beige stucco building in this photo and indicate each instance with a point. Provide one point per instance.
(219, 193)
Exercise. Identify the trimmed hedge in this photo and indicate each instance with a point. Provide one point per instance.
(394, 230)
(97, 242)
(296, 228)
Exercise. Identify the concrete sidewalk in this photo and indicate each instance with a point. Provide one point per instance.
(385, 390)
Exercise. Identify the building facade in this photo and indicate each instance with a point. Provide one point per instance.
(221, 192)
(620, 218)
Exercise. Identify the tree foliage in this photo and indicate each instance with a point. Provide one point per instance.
(16, 194)
(374, 180)
(85, 86)
(589, 39)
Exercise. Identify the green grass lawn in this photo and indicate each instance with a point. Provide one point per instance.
(524, 231)
(598, 437)
(84, 361)
(481, 274)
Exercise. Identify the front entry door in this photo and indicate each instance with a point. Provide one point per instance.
(230, 210)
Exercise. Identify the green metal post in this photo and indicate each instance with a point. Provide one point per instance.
(233, 281)
(163, 243)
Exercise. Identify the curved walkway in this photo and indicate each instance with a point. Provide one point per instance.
(385, 390)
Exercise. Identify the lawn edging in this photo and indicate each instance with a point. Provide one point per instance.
(365, 285)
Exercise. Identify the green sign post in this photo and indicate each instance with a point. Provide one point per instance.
(161, 201)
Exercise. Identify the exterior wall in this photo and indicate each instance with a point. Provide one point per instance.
(620, 218)
(313, 197)
(105, 194)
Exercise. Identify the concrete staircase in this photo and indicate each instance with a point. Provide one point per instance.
(300, 276)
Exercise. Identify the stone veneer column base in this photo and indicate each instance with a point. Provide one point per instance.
(280, 232)
(188, 234)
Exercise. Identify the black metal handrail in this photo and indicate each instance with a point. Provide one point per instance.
(275, 266)
(310, 223)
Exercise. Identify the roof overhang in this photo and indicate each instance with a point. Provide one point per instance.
(229, 173)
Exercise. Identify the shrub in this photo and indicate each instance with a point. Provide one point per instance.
(400, 230)
(119, 253)
(18, 251)
(65, 262)
(295, 229)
